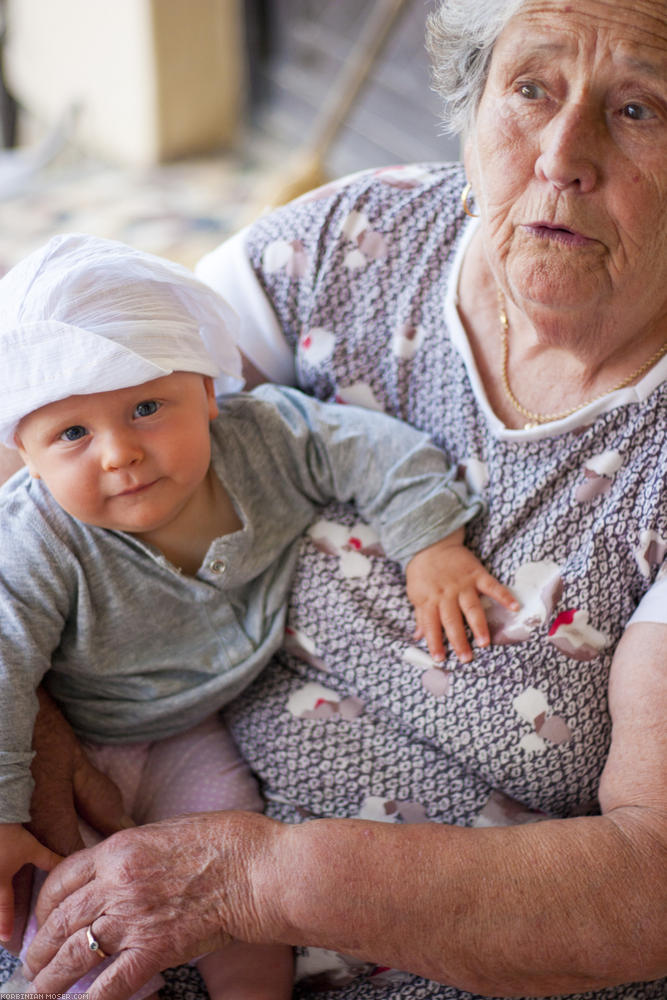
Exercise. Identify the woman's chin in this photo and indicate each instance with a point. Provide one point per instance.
(560, 285)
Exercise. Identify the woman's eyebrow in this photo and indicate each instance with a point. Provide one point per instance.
(638, 64)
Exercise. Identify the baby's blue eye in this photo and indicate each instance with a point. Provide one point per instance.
(146, 408)
(74, 433)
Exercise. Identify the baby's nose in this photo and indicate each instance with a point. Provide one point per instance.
(120, 450)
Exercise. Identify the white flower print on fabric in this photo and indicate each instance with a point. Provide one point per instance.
(316, 345)
(302, 646)
(405, 177)
(318, 970)
(406, 341)
(434, 677)
(533, 707)
(381, 810)
(290, 257)
(598, 474)
(352, 545)
(314, 701)
(501, 810)
(650, 552)
(574, 636)
(359, 394)
(367, 244)
(474, 473)
(538, 587)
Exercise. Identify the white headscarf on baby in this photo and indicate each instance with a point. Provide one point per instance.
(84, 315)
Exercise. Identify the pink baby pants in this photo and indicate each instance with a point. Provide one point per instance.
(196, 771)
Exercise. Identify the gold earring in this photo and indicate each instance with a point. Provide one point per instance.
(464, 201)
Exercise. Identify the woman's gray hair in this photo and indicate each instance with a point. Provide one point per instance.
(460, 36)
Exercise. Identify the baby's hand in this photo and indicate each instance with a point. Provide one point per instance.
(18, 848)
(444, 583)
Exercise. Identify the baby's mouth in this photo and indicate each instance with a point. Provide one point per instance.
(133, 490)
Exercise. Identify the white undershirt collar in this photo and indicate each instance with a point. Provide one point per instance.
(586, 415)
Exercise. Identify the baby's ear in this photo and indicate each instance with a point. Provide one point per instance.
(26, 458)
(210, 396)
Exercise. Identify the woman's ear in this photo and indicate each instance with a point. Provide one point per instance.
(210, 396)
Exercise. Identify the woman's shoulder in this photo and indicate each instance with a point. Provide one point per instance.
(400, 182)
(359, 209)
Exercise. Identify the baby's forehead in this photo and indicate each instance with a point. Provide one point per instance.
(76, 407)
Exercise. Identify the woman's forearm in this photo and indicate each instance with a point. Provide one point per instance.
(549, 908)
(552, 907)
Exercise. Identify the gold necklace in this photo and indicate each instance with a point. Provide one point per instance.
(535, 419)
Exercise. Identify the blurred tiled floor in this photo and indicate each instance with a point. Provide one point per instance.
(179, 210)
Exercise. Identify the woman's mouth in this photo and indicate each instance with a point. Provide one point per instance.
(557, 234)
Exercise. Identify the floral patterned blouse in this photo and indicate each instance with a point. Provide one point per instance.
(351, 293)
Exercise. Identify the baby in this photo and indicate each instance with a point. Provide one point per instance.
(147, 548)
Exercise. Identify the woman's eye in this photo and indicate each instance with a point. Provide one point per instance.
(146, 408)
(74, 433)
(531, 91)
(637, 112)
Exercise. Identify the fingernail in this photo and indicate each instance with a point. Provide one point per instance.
(126, 823)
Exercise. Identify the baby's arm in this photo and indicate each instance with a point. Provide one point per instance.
(444, 584)
(18, 848)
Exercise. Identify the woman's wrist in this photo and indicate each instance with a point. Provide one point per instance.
(287, 877)
(265, 853)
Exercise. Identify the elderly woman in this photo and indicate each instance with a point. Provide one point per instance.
(520, 848)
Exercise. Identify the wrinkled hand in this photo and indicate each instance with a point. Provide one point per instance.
(17, 848)
(444, 583)
(66, 783)
(157, 896)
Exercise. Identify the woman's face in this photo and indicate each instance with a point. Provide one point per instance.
(568, 160)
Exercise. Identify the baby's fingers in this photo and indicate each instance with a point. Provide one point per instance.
(471, 607)
(43, 858)
(452, 622)
(429, 628)
(487, 584)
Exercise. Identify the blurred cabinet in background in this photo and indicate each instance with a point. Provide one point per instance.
(151, 80)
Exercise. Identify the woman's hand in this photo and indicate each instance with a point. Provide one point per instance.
(444, 583)
(156, 896)
(68, 786)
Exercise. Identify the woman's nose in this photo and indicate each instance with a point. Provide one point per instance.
(119, 449)
(569, 155)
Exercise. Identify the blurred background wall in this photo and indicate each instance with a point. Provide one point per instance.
(161, 122)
